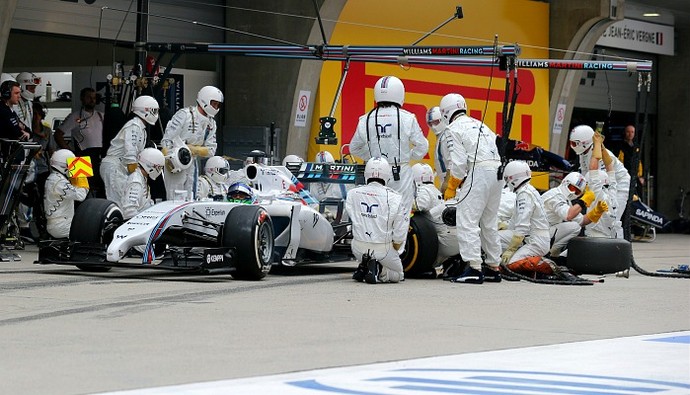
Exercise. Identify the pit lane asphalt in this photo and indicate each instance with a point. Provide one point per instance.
(64, 331)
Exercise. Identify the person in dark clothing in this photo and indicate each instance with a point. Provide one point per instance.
(627, 148)
(10, 127)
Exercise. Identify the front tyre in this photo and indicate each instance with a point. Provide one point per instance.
(95, 221)
(249, 231)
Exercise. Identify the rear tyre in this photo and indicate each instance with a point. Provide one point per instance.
(421, 248)
(95, 221)
(249, 231)
(593, 255)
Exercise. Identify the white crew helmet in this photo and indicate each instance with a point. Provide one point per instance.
(573, 185)
(204, 98)
(6, 77)
(378, 168)
(389, 89)
(146, 107)
(581, 138)
(58, 160)
(516, 173)
(435, 120)
(26, 79)
(292, 159)
(452, 103)
(152, 161)
(422, 174)
(324, 157)
(603, 177)
(217, 168)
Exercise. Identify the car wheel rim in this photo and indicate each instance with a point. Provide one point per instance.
(264, 244)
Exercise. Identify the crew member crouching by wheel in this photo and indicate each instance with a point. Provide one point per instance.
(137, 196)
(428, 199)
(213, 184)
(60, 194)
(379, 225)
(524, 246)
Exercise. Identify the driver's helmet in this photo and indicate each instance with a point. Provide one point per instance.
(240, 192)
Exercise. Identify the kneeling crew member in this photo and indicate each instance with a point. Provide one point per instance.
(379, 225)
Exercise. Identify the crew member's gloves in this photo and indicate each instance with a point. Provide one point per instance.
(595, 214)
(198, 150)
(80, 182)
(515, 243)
(452, 188)
(588, 197)
(396, 246)
(502, 225)
(164, 150)
(131, 167)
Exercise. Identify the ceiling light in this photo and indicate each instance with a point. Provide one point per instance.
(651, 14)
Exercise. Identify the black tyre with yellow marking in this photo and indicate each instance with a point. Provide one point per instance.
(421, 248)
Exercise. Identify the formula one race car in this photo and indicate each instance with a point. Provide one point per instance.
(202, 236)
(206, 236)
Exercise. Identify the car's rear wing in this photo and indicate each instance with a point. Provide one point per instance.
(536, 157)
(333, 173)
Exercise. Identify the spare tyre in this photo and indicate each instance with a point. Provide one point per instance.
(594, 255)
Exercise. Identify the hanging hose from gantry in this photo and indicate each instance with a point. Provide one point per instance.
(326, 133)
(644, 80)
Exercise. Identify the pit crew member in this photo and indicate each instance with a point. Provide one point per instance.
(60, 194)
(379, 225)
(123, 153)
(137, 196)
(195, 127)
(474, 163)
(214, 183)
(582, 141)
(528, 242)
(392, 133)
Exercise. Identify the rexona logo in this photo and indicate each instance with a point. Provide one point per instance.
(210, 211)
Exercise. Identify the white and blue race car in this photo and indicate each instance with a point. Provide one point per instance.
(244, 240)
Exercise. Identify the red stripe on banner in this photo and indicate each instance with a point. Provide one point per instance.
(499, 124)
(476, 114)
(526, 127)
(353, 99)
(359, 83)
